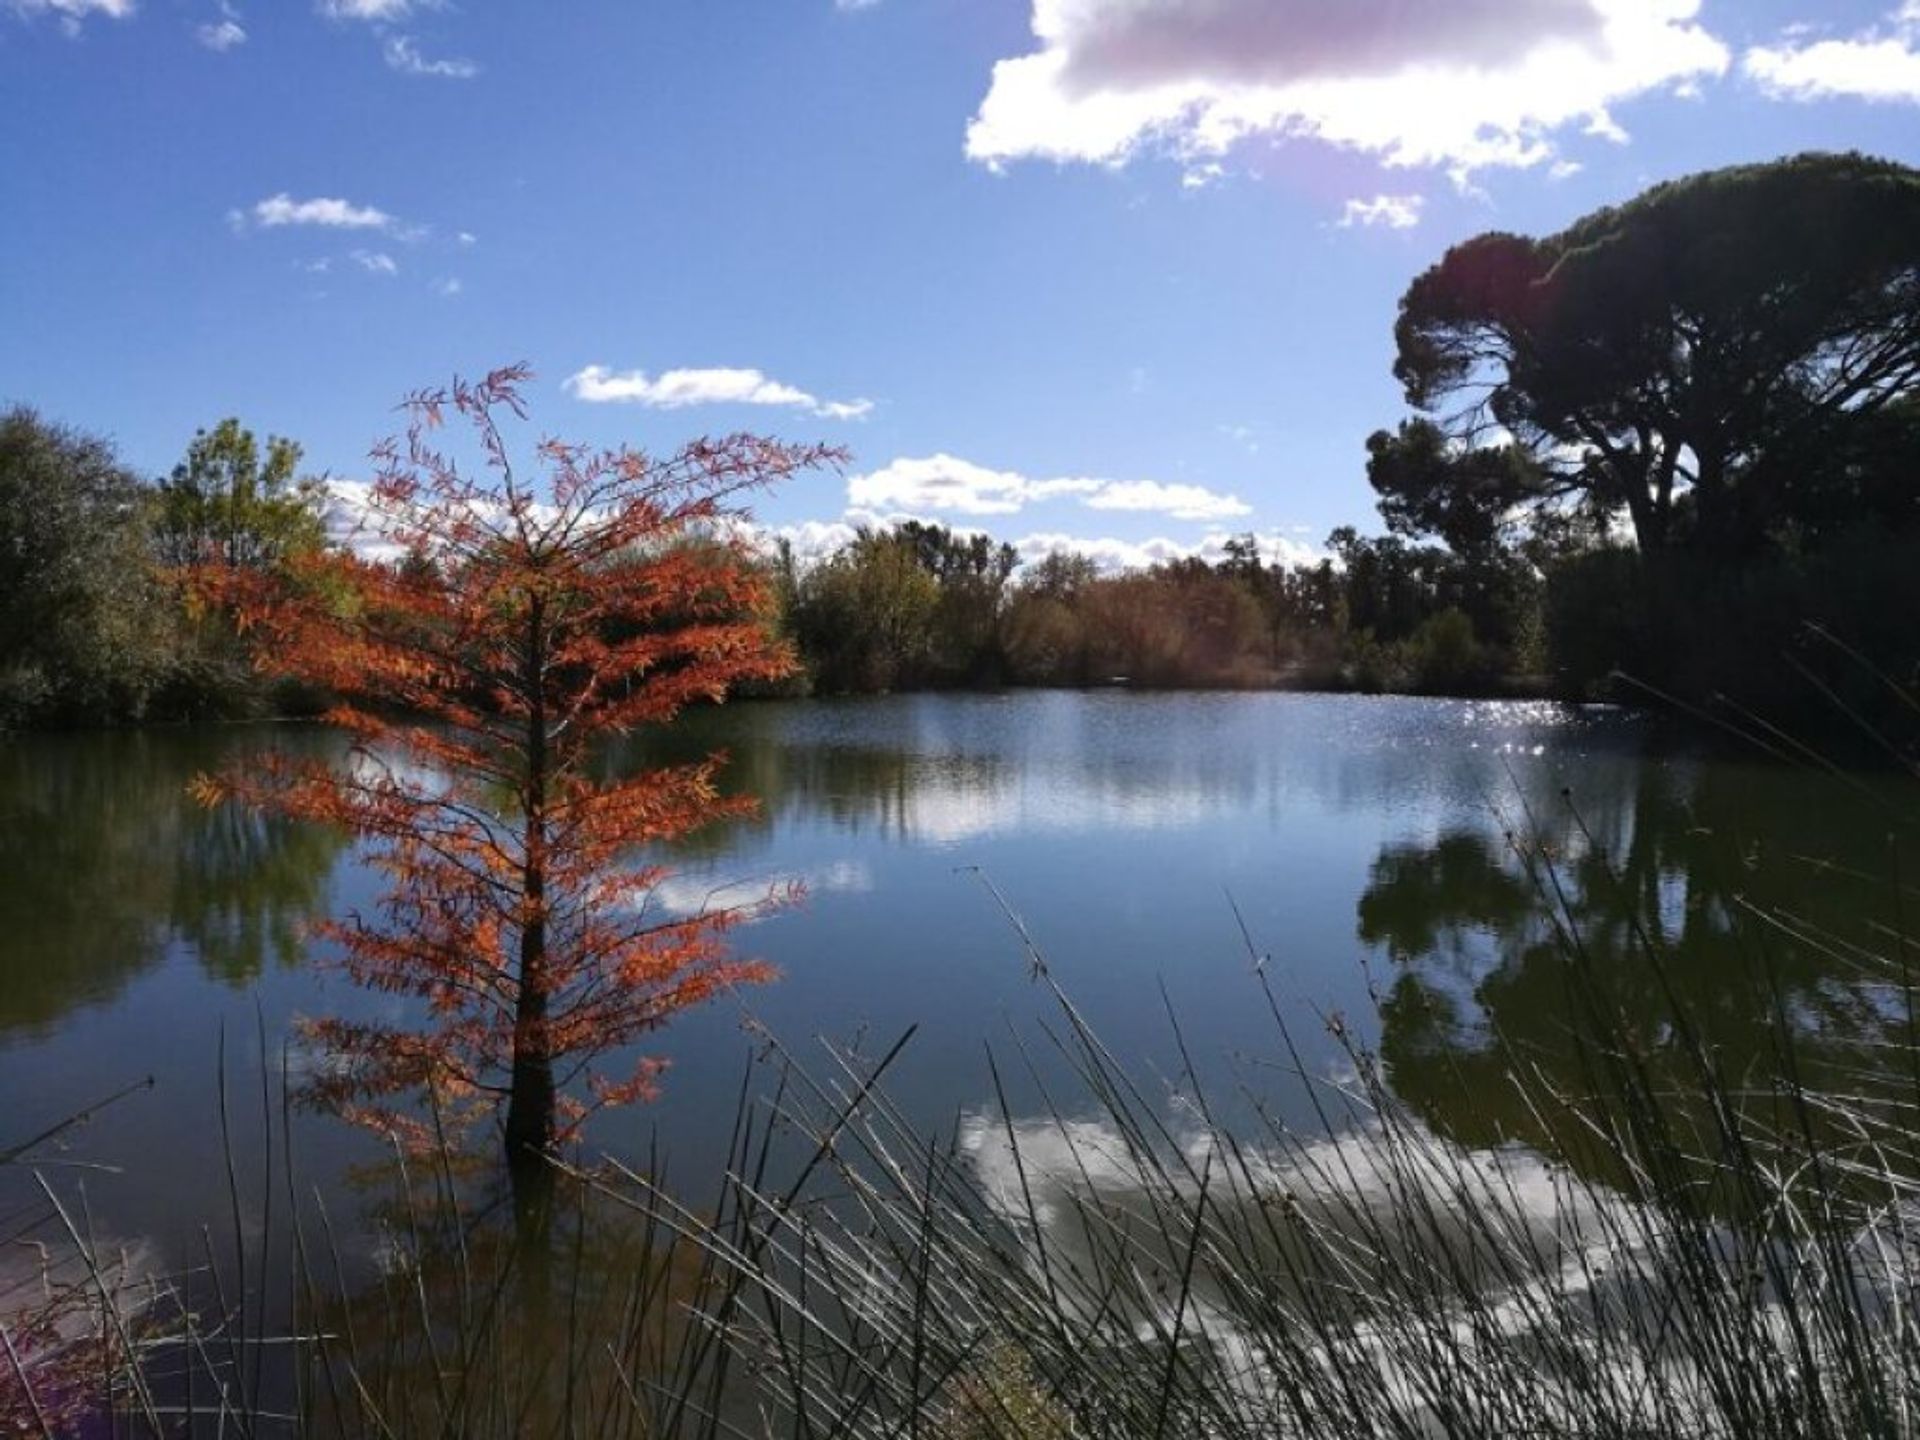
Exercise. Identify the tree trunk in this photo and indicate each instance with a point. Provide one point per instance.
(530, 1109)
(531, 1098)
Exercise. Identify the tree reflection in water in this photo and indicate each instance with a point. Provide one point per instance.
(1739, 897)
(108, 860)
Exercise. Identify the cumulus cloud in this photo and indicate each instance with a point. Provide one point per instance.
(334, 214)
(404, 55)
(1882, 63)
(1462, 84)
(448, 286)
(221, 37)
(376, 262)
(351, 521)
(1108, 554)
(1396, 212)
(1274, 42)
(678, 389)
(947, 484)
(70, 12)
(1182, 502)
(1111, 554)
(814, 540)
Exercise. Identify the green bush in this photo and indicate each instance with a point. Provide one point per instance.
(1444, 657)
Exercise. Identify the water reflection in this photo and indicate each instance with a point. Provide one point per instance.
(108, 860)
(470, 1325)
(1729, 893)
(948, 770)
(1115, 824)
(1289, 1212)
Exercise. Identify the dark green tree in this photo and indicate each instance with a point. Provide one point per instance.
(972, 573)
(78, 619)
(1430, 484)
(1686, 362)
(864, 616)
(229, 504)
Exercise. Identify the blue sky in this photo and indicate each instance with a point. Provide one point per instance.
(1120, 271)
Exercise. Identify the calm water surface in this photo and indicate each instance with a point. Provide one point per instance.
(1361, 840)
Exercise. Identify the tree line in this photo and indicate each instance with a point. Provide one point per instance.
(97, 623)
(919, 605)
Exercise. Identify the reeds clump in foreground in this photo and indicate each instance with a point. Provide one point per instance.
(1679, 1252)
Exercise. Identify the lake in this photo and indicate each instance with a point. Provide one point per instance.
(1363, 843)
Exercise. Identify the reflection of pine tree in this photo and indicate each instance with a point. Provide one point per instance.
(1734, 894)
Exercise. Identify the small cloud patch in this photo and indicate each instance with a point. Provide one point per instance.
(1394, 212)
(680, 389)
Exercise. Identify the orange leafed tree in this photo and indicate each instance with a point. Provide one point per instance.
(509, 629)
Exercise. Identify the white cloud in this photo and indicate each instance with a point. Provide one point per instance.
(1111, 554)
(71, 12)
(221, 37)
(376, 10)
(949, 485)
(353, 523)
(1602, 126)
(283, 209)
(448, 286)
(1182, 502)
(376, 262)
(404, 55)
(467, 238)
(678, 389)
(814, 540)
(1458, 84)
(753, 897)
(1878, 64)
(1396, 212)
(855, 4)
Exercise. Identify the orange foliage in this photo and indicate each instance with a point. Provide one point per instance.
(480, 671)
